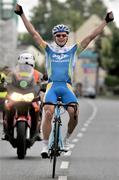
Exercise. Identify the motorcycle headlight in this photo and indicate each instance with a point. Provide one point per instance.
(22, 97)
(29, 97)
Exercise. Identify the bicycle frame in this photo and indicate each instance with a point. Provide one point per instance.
(57, 119)
(55, 144)
(55, 139)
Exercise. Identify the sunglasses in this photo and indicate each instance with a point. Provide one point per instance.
(59, 35)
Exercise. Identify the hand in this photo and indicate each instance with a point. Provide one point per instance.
(18, 10)
(109, 17)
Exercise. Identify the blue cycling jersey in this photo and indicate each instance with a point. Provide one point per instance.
(60, 62)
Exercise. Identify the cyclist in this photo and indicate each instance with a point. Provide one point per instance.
(60, 61)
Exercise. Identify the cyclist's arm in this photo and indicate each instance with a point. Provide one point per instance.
(109, 17)
(36, 36)
(96, 32)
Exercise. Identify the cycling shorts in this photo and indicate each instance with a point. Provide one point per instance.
(59, 89)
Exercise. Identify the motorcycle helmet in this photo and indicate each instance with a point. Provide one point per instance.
(60, 28)
(27, 58)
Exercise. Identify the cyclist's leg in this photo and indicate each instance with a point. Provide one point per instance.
(48, 111)
(73, 120)
(47, 115)
(70, 98)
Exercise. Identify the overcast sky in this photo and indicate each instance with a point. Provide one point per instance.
(27, 5)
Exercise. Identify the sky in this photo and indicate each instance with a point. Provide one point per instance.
(112, 5)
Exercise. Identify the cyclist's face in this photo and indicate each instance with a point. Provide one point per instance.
(61, 38)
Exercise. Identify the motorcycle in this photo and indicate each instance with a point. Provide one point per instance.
(21, 110)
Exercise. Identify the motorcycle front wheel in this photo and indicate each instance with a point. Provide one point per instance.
(21, 139)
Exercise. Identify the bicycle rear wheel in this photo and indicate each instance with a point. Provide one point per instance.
(55, 154)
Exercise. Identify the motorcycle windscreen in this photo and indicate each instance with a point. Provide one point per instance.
(23, 77)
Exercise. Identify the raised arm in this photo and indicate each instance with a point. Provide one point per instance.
(109, 17)
(36, 36)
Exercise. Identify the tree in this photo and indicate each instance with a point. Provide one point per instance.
(107, 49)
(47, 14)
(114, 64)
(115, 52)
(97, 7)
(77, 5)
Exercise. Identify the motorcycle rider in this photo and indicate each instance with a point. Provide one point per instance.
(40, 79)
(28, 58)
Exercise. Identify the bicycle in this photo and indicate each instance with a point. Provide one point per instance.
(55, 144)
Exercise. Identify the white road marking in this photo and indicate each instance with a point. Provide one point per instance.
(80, 135)
(62, 178)
(64, 165)
(71, 146)
(83, 129)
(94, 110)
(86, 124)
(75, 140)
(88, 121)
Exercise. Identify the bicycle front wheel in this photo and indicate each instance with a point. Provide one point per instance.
(55, 154)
